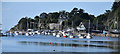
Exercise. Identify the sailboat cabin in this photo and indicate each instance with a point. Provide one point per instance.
(84, 26)
(81, 27)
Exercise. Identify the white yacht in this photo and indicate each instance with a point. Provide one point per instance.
(27, 34)
(64, 35)
(16, 33)
(48, 33)
(88, 36)
(71, 36)
(54, 34)
(80, 36)
(58, 35)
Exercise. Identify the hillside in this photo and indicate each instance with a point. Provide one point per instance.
(74, 17)
(113, 16)
(110, 16)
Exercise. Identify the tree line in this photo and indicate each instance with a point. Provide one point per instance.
(74, 17)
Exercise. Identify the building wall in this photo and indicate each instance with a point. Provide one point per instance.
(53, 26)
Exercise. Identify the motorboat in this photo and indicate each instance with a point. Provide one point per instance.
(54, 34)
(64, 35)
(115, 31)
(81, 35)
(71, 36)
(16, 33)
(48, 33)
(88, 36)
(27, 34)
(58, 35)
(43, 32)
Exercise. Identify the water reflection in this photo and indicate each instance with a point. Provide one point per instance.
(110, 44)
(50, 43)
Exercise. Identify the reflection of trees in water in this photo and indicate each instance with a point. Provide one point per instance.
(113, 44)
(109, 44)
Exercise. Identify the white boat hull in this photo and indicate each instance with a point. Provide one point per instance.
(71, 36)
(58, 36)
(54, 34)
(81, 37)
(16, 33)
(48, 33)
(88, 37)
(27, 34)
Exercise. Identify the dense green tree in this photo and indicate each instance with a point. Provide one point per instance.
(115, 5)
(36, 18)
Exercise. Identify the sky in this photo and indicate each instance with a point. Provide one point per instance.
(12, 12)
(59, 0)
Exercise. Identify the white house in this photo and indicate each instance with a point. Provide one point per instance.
(54, 26)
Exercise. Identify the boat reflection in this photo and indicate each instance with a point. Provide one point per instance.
(98, 44)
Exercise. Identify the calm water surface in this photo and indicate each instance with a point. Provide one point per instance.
(43, 43)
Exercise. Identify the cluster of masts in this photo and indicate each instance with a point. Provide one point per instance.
(115, 22)
(60, 33)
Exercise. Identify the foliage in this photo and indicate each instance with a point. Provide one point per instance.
(74, 17)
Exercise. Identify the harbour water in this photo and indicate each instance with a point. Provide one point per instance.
(49, 43)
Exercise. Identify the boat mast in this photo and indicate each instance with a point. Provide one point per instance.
(72, 26)
(33, 25)
(30, 25)
(66, 24)
(39, 25)
(20, 26)
(108, 27)
(89, 27)
(72, 23)
(97, 25)
(117, 23)
(27, 24)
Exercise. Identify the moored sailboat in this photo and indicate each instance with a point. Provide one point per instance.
(89, 35)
